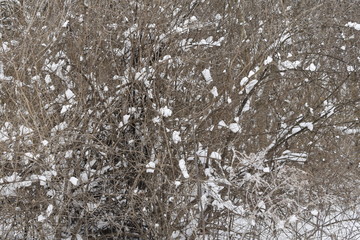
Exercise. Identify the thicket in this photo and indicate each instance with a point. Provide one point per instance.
(179, 119)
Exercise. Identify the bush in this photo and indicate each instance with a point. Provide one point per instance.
(182, 120)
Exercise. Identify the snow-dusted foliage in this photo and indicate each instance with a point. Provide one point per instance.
(191, 119)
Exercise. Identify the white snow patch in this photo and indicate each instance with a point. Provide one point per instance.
(150, 167)
(176, 137)
(49, 210)
(69, 94)
(41, 218)
(329, 109)
(64, 108)
(156, 119)
(222, 124)
(295, 130)
(165, 58)
(261, 205)
(244, 81)
(74, 181)
(68, 154)
(268, 60)
(92, 206)
(183, 168)
(314, 212)
(289, 64)
(202, 154)
(218, 17)
(354, 25)
(292, 219)
(65, 24)
(24, 130)
(280, 224)
(308, 125)
(251, 73)
(193, 19)
(165, 111)
(60, 127)
(311, 68)
(126, 118)
(215, 155)
(207, 75)
(2, 75)
(234, 127)
(250, 85)
(246, 107)
(350, 68)
(214, 91)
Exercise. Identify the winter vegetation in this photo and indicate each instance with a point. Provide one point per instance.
(191, 119)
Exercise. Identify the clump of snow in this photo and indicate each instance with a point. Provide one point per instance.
(175, 234)
(126, 118)
(183, 169)
(251, 73)
(246, 107)
(215, 155)
(314, 212)
(24, 130)
(176, 137)
(177, 183)
(193, 19)
(308, 125)
(165, 111)
(202, 154)
(292, 219)
(218, 17)
(289, 65)
(295, 130)
(280, 224)
(49, 210)
(250, 85)
(222, 124)
(234, 127)
(64, 108)
(2, 75)
(156, 119)
(329, 109)
(354, 25)
(350, 68)
(207, 75)
(60, 127)
(69, 94)
(311, 68)
(65, 24)
(150, 167)
(165, 58)
(41, 218)
(74, 181)
(92, 206)
(214, 91)
(268, 60)
(68, 153)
